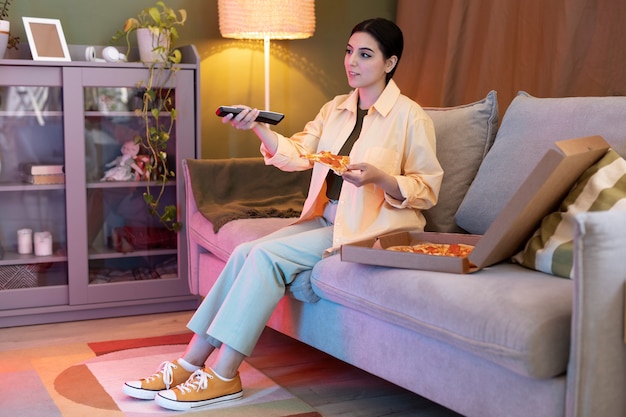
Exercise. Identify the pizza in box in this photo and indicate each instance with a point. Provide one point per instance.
(437, 249)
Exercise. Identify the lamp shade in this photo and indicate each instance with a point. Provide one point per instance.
(266, 19)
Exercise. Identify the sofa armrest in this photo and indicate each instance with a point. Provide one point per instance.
(230, 189)
(597, 367)
(190, 203)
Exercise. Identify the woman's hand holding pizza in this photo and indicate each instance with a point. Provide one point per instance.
(358, 174)
(363, 173)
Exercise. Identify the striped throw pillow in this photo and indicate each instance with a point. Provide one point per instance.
(601, 187)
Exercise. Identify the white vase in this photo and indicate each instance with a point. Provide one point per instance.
(5, 25)
(150, 45)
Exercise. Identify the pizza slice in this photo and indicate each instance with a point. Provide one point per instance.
(338, 163)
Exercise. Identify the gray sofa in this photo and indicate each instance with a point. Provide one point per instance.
(506, 341)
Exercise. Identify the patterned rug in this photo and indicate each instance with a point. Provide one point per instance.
(79, 380)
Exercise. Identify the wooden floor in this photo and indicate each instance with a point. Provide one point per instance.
(331, 386)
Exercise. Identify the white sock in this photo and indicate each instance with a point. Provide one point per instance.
(188, 366)
(221, 377)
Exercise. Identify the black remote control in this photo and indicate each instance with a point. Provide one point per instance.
(270, 117)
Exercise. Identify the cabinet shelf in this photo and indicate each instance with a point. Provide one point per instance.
(122, 114)
(127, 184)
(23, 186)
(30, 113)
(106, 253)
(14, 258)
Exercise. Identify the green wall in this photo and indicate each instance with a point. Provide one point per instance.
(304, 73)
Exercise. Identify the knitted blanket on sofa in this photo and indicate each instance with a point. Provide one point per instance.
(241, 188)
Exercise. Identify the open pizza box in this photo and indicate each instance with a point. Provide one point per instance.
(539, 194)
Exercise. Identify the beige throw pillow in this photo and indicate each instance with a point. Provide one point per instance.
(464, 135)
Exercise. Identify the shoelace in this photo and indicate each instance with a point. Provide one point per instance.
(166, 369)
(199, 380)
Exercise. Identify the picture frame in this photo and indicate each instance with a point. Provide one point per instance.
(46, 39)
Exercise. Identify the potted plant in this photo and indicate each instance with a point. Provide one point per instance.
(6, 40)
(156, 31)
(158, 107)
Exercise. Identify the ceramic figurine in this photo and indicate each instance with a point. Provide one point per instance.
(124, 167)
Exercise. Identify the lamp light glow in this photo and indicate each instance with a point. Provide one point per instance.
(266, 19)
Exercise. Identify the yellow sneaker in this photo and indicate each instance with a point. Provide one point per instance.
(203, 388)
(168, 375)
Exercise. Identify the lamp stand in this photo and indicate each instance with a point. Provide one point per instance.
(266, 54)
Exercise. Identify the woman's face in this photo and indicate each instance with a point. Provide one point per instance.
(365, 63)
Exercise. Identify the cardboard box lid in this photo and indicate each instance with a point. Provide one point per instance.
(541, 192)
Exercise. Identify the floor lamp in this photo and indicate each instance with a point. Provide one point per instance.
(266, 19)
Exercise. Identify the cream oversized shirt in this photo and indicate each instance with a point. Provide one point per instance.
(397, 136)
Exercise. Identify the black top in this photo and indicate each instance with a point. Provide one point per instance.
(334, 181)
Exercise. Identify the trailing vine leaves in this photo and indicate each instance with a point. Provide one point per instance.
(159, 115)
(158, 109)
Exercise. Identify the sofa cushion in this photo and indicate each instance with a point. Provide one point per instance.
(464, 135)
(601, 187)
(529, 127)
(509, 315)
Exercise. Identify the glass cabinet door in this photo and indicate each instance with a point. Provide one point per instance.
(126, 242)
(130, 253)
(33, 237)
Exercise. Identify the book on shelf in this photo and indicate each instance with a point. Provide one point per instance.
(42, 169)
(44, 179)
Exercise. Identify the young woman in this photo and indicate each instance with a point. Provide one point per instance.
(393, 175)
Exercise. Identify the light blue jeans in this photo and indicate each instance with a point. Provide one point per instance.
(253, 281)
